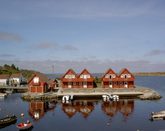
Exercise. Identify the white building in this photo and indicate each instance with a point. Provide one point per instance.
(4, 79)
(16, 79)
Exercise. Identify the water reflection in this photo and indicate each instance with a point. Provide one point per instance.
(37, 109)
(83, 107)
(125, 107)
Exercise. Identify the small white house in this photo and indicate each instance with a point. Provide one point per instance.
(4, 79)
(16, 79)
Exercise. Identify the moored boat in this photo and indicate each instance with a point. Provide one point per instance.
(2, 95)
(25, 126)
(158, 115)
(8, 120)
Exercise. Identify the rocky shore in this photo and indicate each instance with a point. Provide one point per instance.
(142, 93)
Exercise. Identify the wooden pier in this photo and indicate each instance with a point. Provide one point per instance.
(94, 93)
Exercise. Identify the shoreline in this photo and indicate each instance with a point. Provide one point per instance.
(142, 93)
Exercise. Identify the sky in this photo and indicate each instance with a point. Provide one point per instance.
(52, 36)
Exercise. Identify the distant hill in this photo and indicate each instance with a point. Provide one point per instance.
(149, 74)
(12, 69)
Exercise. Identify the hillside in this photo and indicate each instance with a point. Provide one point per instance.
(12, 69)
(149, 74)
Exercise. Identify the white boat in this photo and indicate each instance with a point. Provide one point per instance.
(158, 115)
(3, 95)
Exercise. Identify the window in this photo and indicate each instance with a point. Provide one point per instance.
(70, 76)
(110, 76)
(85, 76)
(125, 76)
(36, 80)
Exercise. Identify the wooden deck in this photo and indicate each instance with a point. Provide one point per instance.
(13, 88)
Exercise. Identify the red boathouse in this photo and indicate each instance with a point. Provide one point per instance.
(38, 83)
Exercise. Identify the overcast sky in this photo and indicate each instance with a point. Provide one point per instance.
(78, 34)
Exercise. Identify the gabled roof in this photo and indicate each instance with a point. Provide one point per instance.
(70, 71)
(16, 75)
(50, 81)
(109, 71)
(85, 71)
(42, 77)
(125, 70)
(4, 76)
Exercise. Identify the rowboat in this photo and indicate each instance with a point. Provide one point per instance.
(8, 120)
(25, 126)
(158, 115)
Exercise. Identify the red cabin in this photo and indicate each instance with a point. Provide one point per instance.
(85, 79)
(69, 80)
(110, 79)
(126, 79)
(38, 83)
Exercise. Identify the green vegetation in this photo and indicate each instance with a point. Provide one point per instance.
(7, 69)
(12, 69)
(27, 73)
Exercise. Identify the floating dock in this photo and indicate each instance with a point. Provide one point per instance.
(78, 93)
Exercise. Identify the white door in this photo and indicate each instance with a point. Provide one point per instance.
(110, 85)
(69, 85)
(125, 84)
(85, 84)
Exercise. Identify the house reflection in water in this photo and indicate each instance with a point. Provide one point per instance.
(125, 107)
(37, 109)
(83, 107)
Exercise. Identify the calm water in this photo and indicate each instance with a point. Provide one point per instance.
(125, 115)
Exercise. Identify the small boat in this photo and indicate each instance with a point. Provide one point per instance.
(3, 95)
(158, 115)
(25, 126)
(8, 120)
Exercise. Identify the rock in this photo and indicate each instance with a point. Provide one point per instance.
(151, 95)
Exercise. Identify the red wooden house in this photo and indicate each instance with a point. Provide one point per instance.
(125, 79)
(38, 83)
(85, 79)
(110, 79)
(69, 80)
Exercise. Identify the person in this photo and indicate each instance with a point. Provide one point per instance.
(28, 121)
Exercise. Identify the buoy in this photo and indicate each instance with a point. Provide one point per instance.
(22, 114)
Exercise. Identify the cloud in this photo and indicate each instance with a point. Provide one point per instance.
(6, 55)
(10, 37)
(46, 45)
(94, 66)
(69, 47)
(49, 45)
(155, 53)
